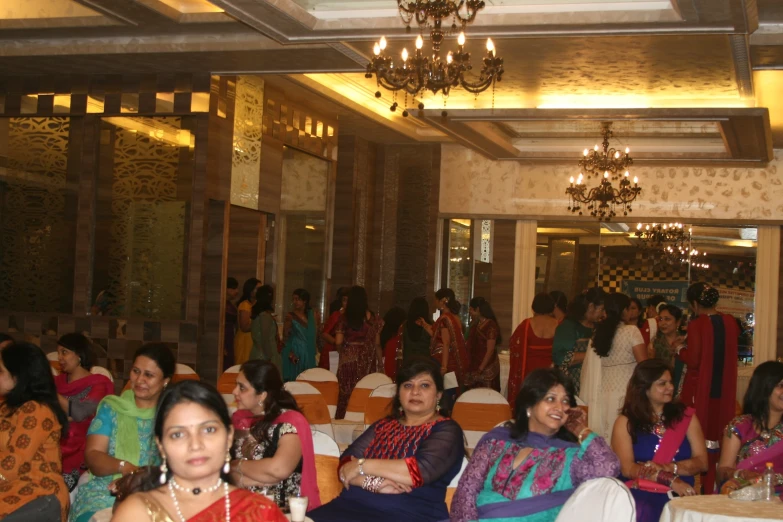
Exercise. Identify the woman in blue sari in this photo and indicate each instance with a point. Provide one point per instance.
(526, 470)
(400, 467)
(301, 331)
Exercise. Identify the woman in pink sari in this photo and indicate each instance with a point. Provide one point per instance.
(79, 393)
(273, 446)
(756, 437)
(448, 341)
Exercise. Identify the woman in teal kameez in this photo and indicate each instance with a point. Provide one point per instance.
(300, 336)
(264, 328)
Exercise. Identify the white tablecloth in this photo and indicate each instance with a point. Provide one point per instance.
(720, 508)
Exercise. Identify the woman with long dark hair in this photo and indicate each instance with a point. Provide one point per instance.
(358, 341)
(273, 445)
(561, 305)
(667, 341)
(573, 334)
(391, 340)
(266, 337)
(417, 331)
(33, 422)
(301, 333)
(193, 431)
(755, 437)
(658, 440)
(710, 383)
(615, 349)
(336, 310)
(448, 342)
(526, 470)
(484, 368)
(243, 340)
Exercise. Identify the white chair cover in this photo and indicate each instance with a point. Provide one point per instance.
(302, 388)
(100, 370)
(323, 444)
(480, 396)
(599, 500)
(184, 369)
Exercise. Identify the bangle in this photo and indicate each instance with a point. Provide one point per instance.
(675, 469)
(737, 473)
(582, 434)
(241, 474)
(361, 467)
(665, 478)
(121, 467)
(372, 484)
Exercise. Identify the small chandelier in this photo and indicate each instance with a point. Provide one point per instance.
(610, 166)
(414, 75)
(670, 243)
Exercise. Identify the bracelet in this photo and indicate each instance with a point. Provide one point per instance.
(582, 433)
(241, 474)
(665, 478)
(372, 484)
(675, 469)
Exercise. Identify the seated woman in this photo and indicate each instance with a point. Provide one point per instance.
(120, 436)
(526, 470)
(659, 441)
(79, 393)
(32, 425)
(400, 467)
(193, 431)
(273, 446)
(755, 437)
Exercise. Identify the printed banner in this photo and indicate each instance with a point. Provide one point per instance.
(673, 291)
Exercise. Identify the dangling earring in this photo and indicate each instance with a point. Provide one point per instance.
(261, 403)
(227, 465)
(437, 406)
(163, 472)
(528, 414)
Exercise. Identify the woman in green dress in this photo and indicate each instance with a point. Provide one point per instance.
(301, 332)
(120, 438)
(264, 328)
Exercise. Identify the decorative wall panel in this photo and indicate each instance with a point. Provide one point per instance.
(37, 216)
(304, 182)
(246, 156)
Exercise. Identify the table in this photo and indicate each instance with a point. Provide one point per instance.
(720, 508)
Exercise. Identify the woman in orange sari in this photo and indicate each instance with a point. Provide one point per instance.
(336, 311)
(530, 346)
(194, 434)
(448, 342)
(484, 371)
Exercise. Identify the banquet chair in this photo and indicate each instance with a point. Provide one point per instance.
(325, 382)
(312, 405)
(354, 414)
(479, 410)
(452, 488)
(226, 384)
(327, 457)
(182, 372)
(598, 500)
(379, 403)
(100, 370)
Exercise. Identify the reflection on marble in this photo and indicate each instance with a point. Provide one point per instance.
(473, 186)
(304, 182)
(246, 158)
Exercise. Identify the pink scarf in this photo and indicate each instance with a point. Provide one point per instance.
(244, 420)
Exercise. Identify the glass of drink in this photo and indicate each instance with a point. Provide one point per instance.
(298, 508)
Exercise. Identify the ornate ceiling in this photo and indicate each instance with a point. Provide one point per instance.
(633, 57)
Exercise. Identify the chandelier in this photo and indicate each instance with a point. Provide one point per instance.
(414, 75)
(608, 166)
(670, 243)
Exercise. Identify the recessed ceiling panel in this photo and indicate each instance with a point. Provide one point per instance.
(30, 14)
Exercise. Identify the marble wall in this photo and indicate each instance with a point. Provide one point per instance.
(478, 187)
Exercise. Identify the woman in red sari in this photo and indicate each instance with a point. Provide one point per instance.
(530, 346)
(710, 383)
(194, 434)
(358, 341)
(448, 342)
(336, 311)
(79, 393)
(484, 370)
(391, 340)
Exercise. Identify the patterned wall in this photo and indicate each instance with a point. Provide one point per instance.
(37, 215)
(246, 156)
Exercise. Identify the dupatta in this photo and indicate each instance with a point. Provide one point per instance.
(128, 445)
(244, 420)
(773, 454)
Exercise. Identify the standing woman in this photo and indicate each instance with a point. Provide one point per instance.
(710, 383)
(561, 305)
(336, 310)
(572, 335)
(230, 323)
(79, 393)
(391, 340)
(417, 331)
(32, 487)
(604, 381)
(484, 368)
(358, 341)
(448, 342)
(300, 336)
(243, 340)
(667, 341)
(266, 338)
(530, 347)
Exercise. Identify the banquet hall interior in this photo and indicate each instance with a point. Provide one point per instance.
(150, 149)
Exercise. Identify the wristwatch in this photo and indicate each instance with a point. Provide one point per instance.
(361, 467)
(121, 466)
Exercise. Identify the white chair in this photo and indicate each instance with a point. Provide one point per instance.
(183, 372)
(327, 458)
(379, 403)
(226, 384)
(100, 370)
(354, 414)
(479, 410)
(598, 500)
(450, 381)
(312, 405)
(454, 483)
(325, 382)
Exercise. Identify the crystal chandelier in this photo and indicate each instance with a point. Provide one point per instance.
(414, 75)
(609, 166)
(670, 243)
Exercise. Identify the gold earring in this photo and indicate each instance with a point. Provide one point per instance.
(227, 465)
(163, 471)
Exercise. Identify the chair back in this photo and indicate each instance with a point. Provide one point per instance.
(327, 457)
(479, 410)
(452, 488)
(598, 500)
(226, 384)
(379, 403)
(358, 401)
(450, 381)
(100, 370)
(184, 373)
(325, 382)
(312, 405)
